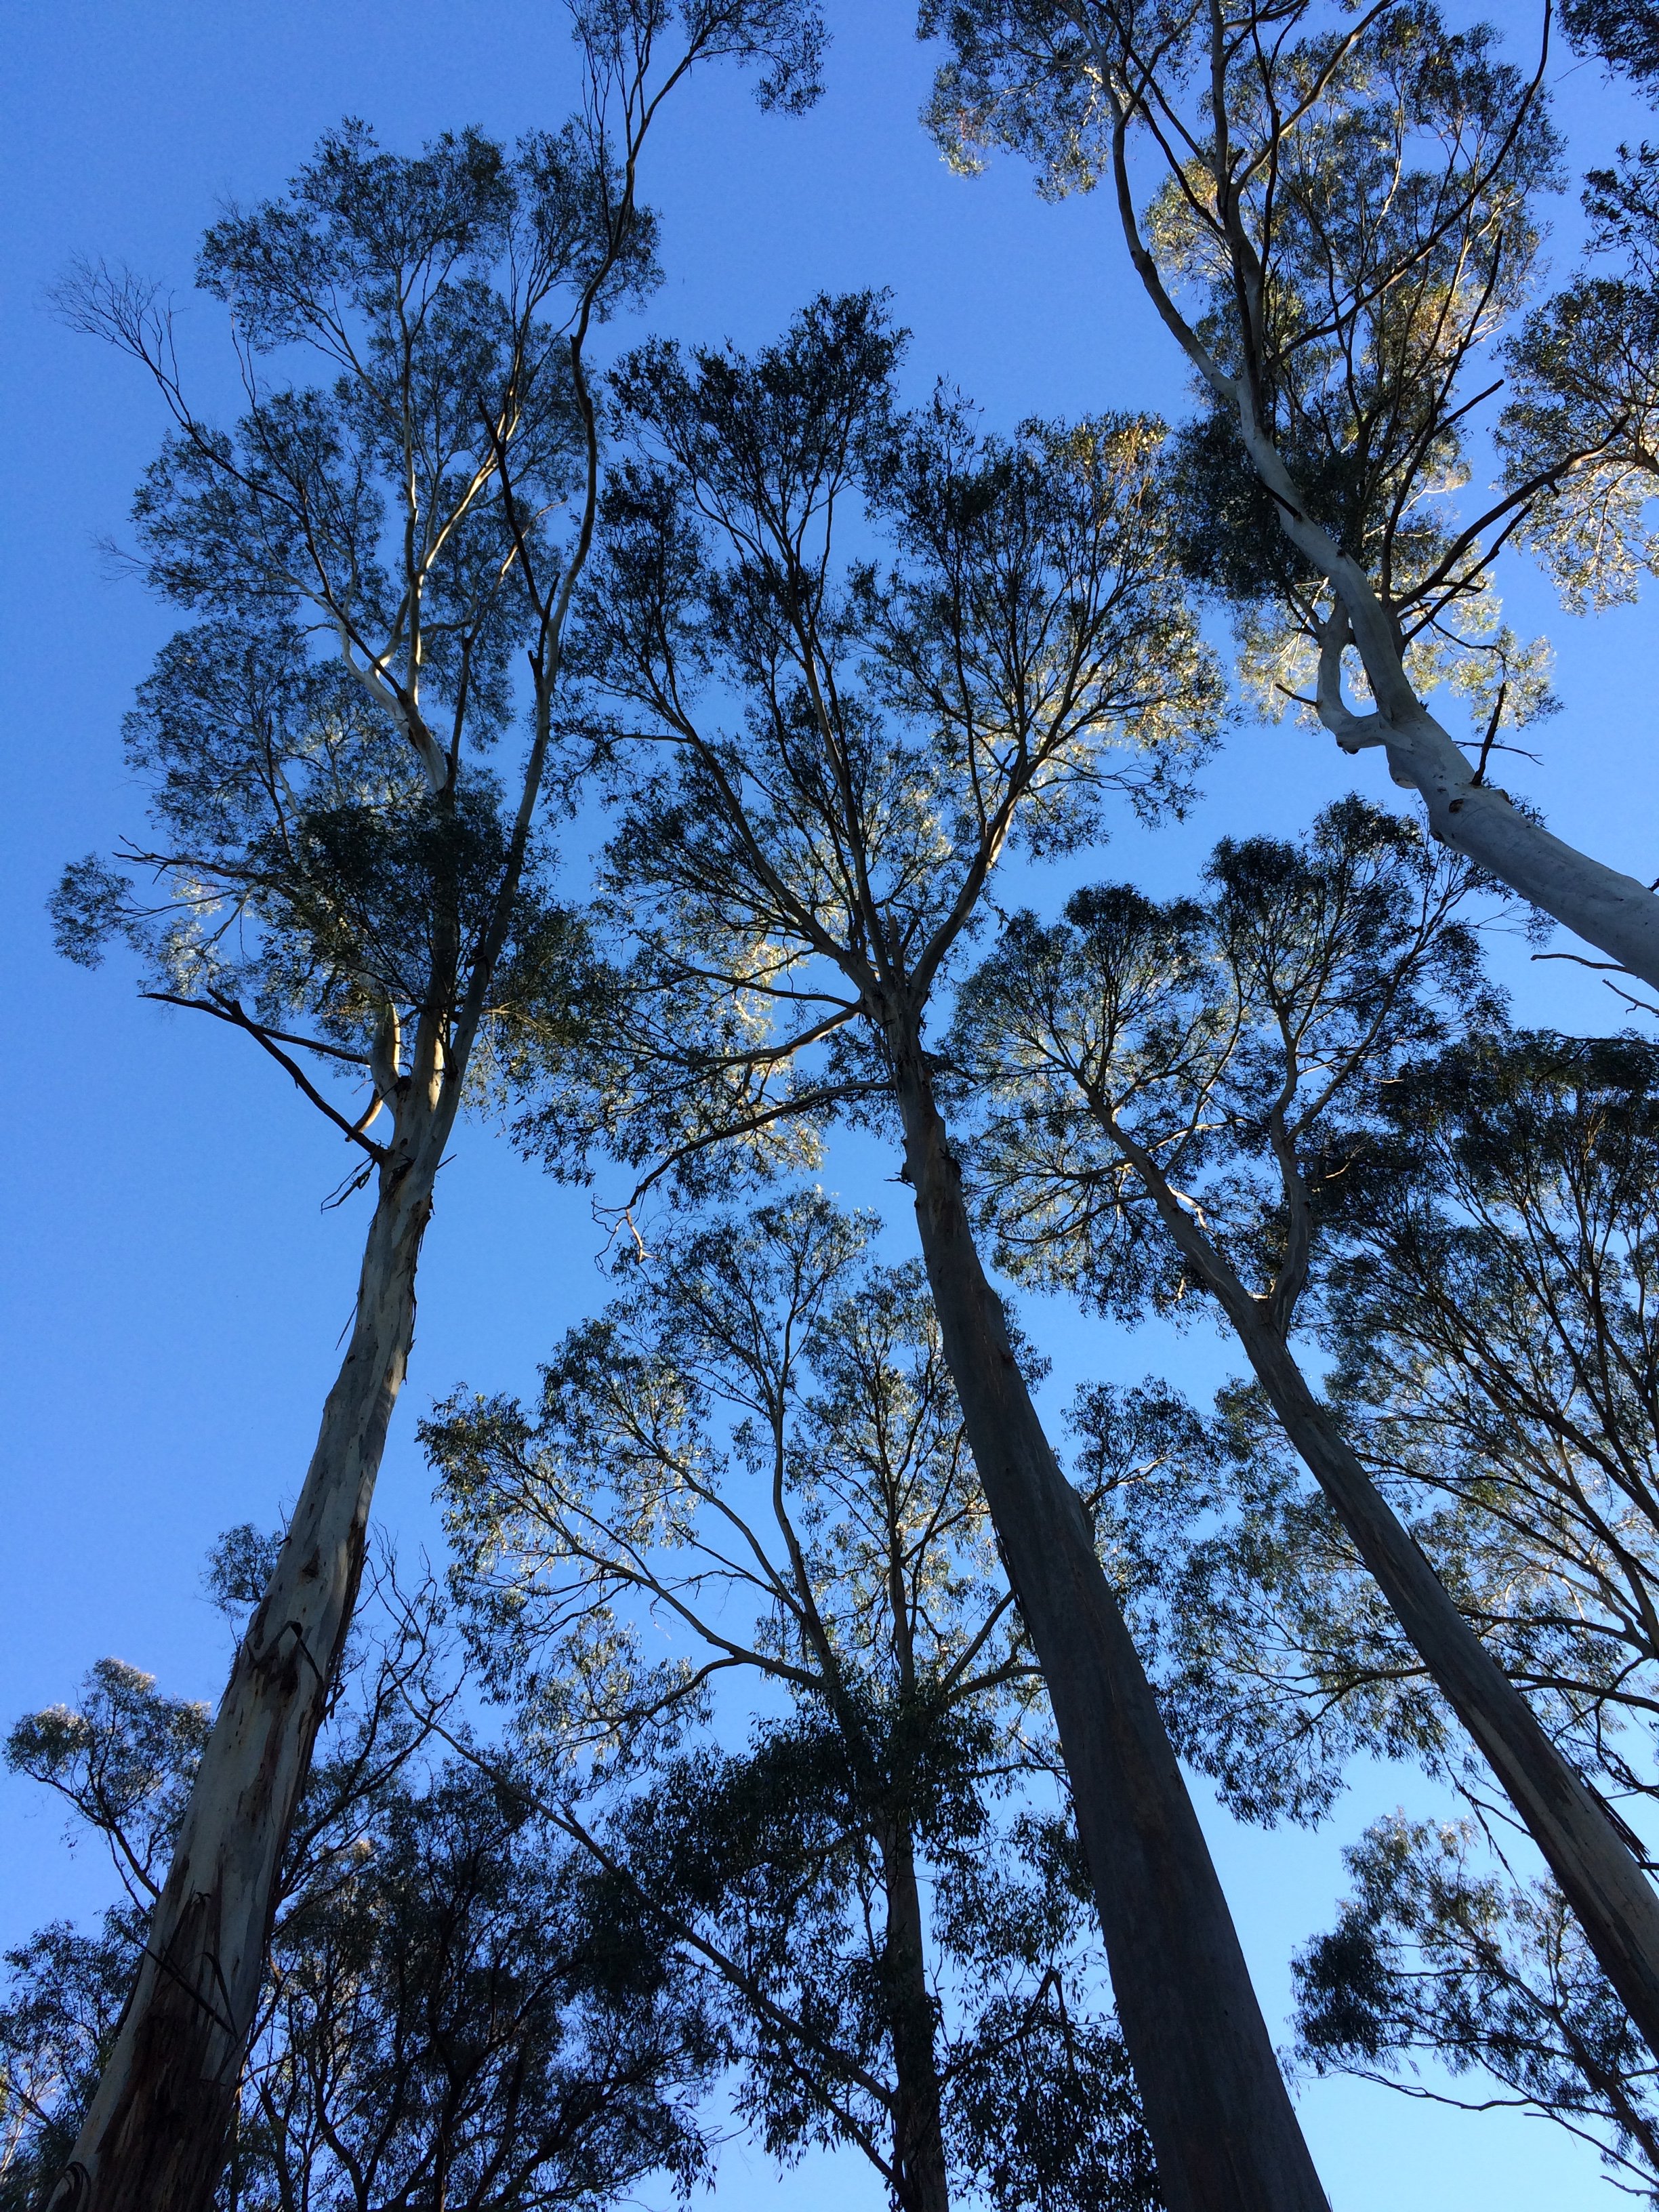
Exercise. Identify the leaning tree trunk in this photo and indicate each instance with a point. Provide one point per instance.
(1599, 1875)
(1223, 2127)
(154, 2136)
(921, 2183)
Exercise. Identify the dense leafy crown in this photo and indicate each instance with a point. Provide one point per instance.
(822, 757)
(1347, 214)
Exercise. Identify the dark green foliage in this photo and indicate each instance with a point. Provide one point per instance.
(239, 1567)
(1235, 1041)
(753, 1461)
(1278, 1660)
(1485, 1291)
(1040, 2097)
(483, 2046)
(1583, 369)
(767, 1862)
(1226, 522)
(1623, 33)
(66, 1993)
(1432, 1956)
(1493, 1319)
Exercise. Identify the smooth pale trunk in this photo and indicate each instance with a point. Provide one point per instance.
(1599, 1877)
(1608, 909)
(918, 2135)
(1223, 2127)
(155, 2136)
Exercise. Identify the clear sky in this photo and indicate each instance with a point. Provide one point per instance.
(175, 1294)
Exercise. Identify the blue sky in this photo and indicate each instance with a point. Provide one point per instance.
(175, 1294)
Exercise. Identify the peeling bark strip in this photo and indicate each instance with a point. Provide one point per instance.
(154, 2136)
(1222, 2125)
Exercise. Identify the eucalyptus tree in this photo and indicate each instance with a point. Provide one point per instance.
(819, 762)
(1490, 1317)
(1491, 1323)
(1341, 216)
(381, 567)
(440, 2021)
(752, 1463)
(756, 1867)
(1176, 1090)
(1487, 1309)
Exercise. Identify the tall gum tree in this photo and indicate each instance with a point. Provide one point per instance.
(1491, 1320)
(341, 869)
(1485, 1292)
(1178, 1093)
(1344, 222)
(819, 764)
(754, 1457)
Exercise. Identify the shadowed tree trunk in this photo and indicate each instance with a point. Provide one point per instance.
(1599, 1877)
(918, 2128)
(1221, 2120)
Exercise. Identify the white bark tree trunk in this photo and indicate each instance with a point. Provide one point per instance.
(1610, 911)
(154, 2137)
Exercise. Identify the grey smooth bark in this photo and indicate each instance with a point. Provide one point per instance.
(1223, 2127)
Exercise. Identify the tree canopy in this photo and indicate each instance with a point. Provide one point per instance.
(788, 1743)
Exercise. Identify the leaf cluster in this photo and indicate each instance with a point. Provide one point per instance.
(1432, 1956)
